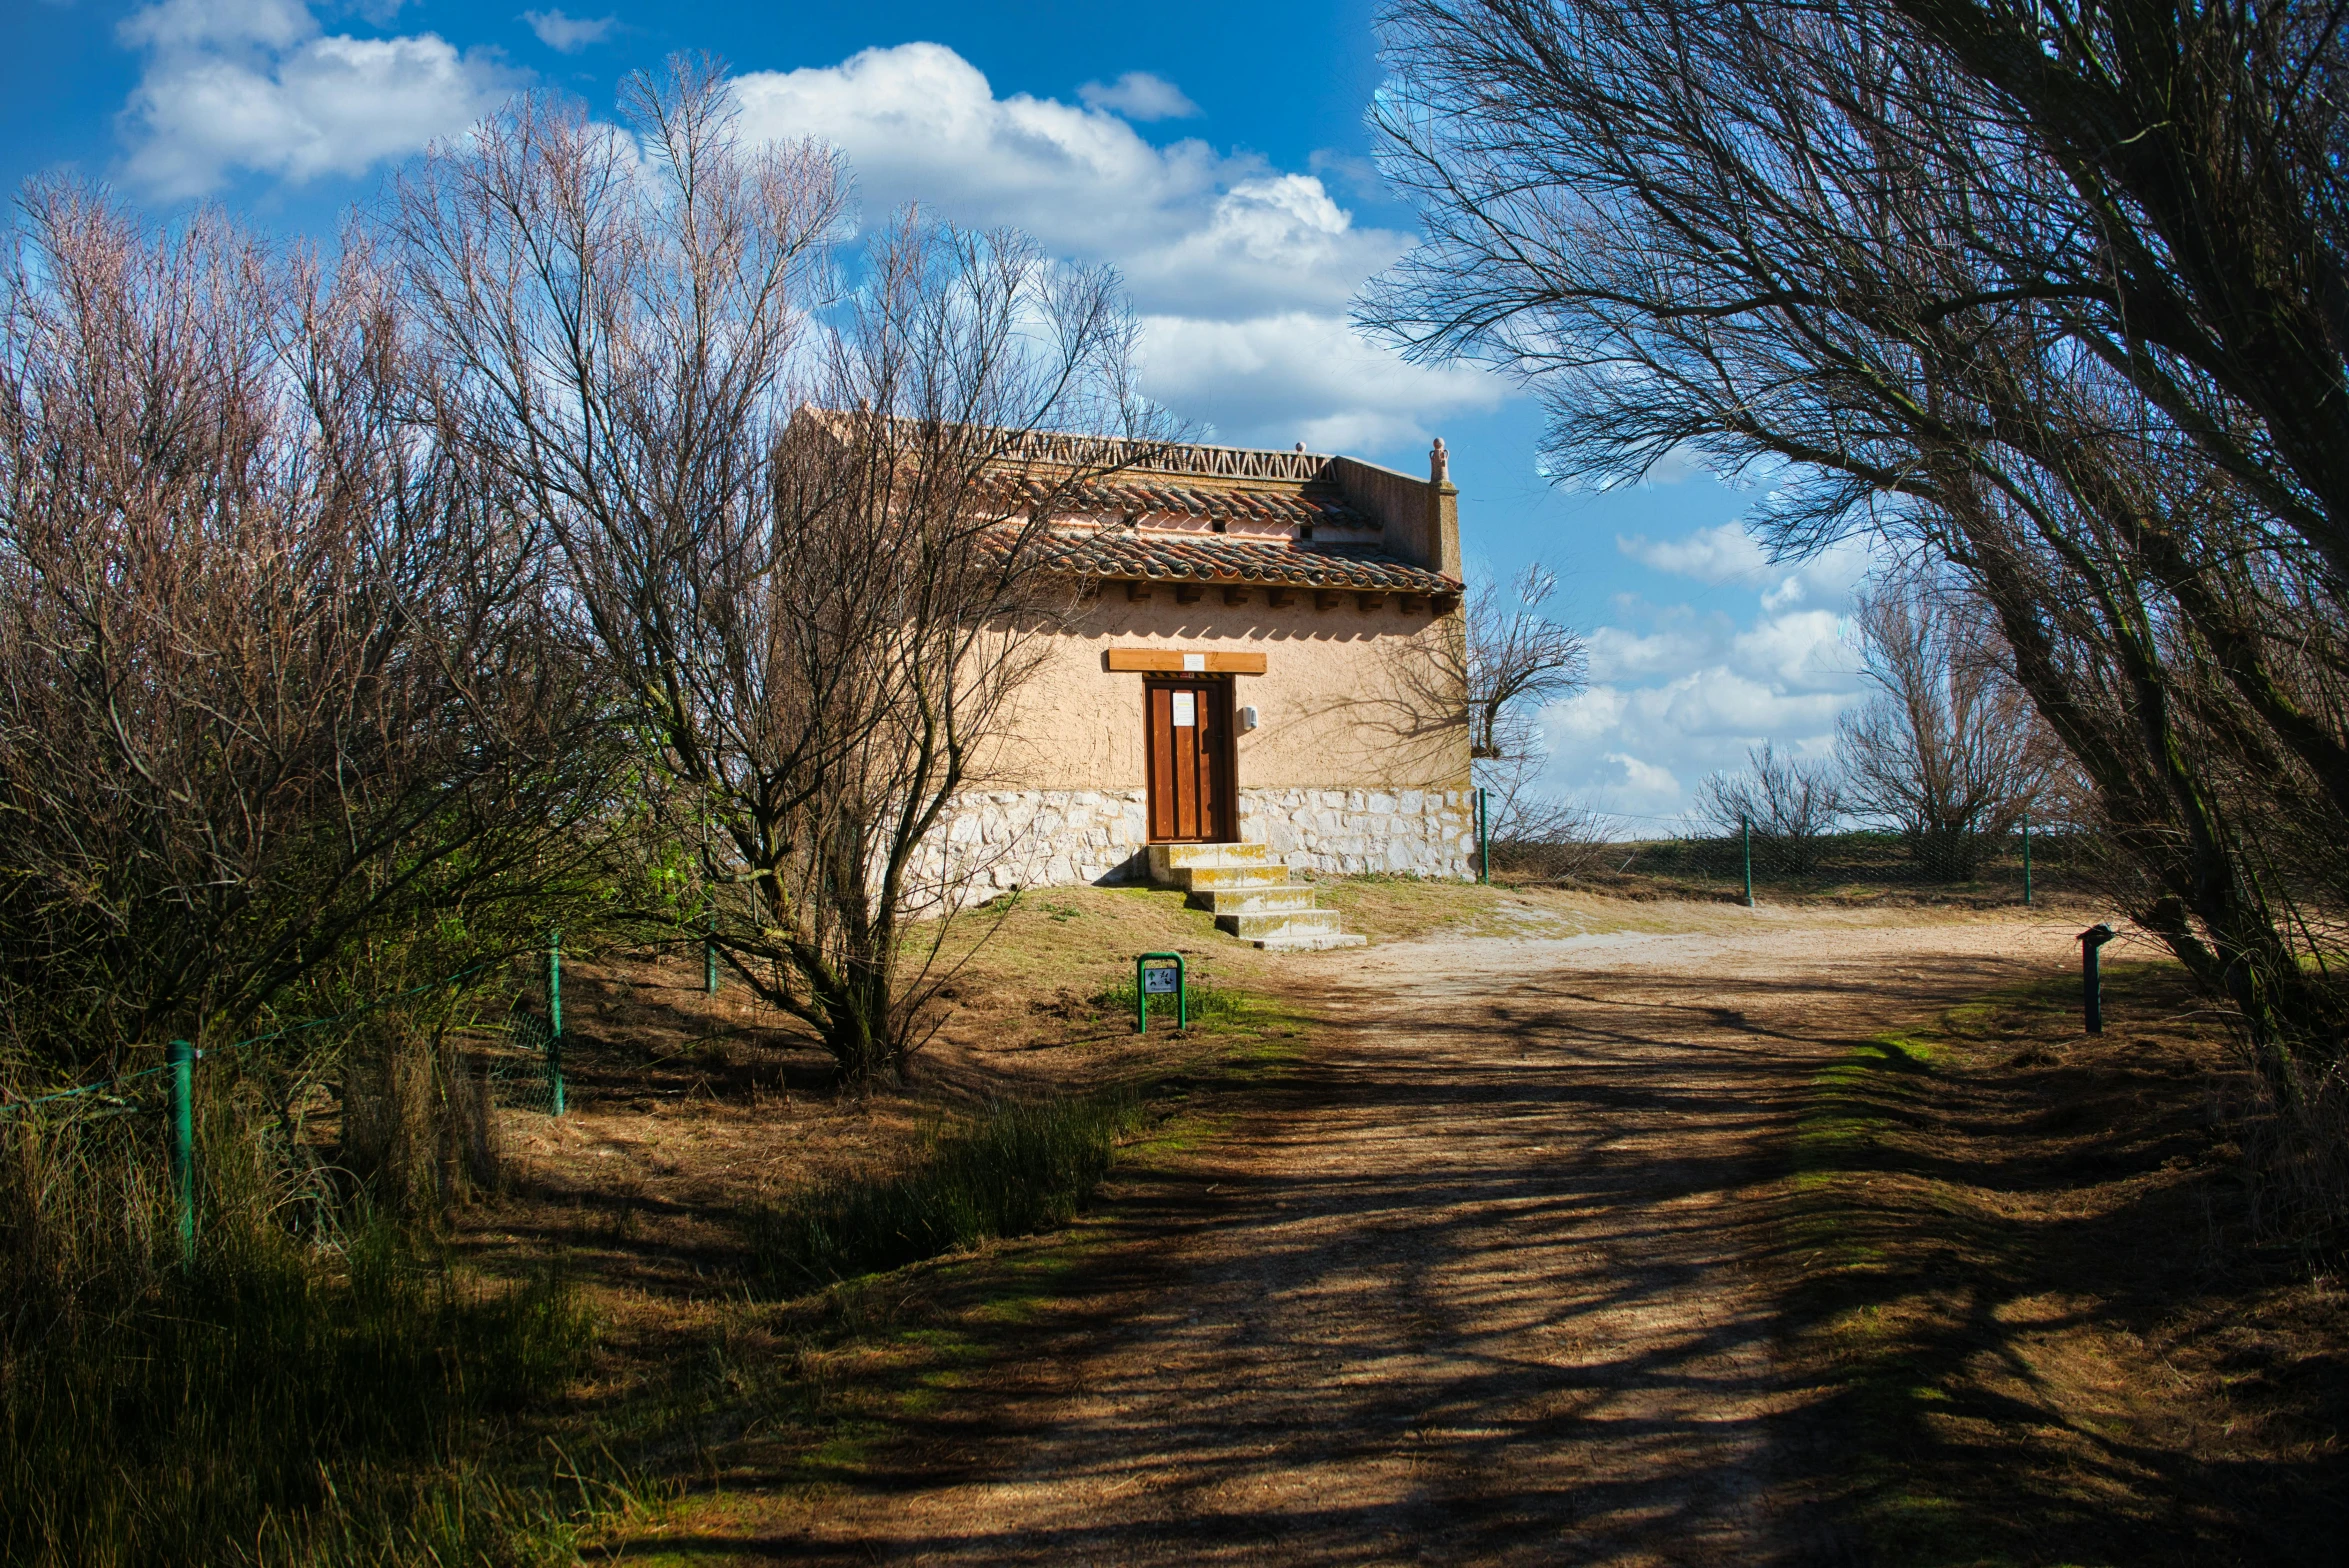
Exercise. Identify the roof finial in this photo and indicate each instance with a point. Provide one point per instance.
(1300, 446)
(1439, 464)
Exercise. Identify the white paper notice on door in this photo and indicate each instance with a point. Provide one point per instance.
(1186, 709)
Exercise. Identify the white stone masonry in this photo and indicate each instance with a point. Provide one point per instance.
(1055, 838)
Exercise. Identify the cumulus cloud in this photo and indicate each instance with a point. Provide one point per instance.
(1302, 376)
(258, 85)
(1242, 271)
(1675, 695)
(1138, 95)
(569, 34)
(1713, 555)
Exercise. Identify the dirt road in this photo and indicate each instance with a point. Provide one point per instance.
(1496, 1286)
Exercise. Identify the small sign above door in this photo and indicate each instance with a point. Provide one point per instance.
(1186, 710)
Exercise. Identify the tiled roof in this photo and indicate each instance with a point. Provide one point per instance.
(1296, 504)
(1221, 558)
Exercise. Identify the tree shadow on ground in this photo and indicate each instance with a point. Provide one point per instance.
(2026, 1286)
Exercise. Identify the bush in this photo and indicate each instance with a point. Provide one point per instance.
(1014, 1169)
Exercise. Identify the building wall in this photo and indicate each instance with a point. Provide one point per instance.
(1359, 761)
(1350, 699)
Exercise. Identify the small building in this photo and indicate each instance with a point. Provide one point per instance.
(1267, 653)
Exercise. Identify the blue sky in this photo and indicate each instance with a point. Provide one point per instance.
(1216, 154)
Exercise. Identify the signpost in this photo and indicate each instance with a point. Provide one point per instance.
(2026, 857)
(1152, 978)
(2092, 941)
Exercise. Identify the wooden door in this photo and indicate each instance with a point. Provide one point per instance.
(1192, 798)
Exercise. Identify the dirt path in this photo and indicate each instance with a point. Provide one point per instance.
(1496, 1287)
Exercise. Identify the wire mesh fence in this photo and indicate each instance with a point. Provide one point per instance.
(2018, 866)
(520, 1061)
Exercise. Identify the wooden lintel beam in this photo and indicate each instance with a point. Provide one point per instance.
(1137, 591)
(1188, 593)
(1175, 661)
(1327, 598)
(1370, 601)
(1280, 598)
(1235, 596)
(1445, 603)
(1413, 603)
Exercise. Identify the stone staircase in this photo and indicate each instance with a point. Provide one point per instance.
(1250, 895)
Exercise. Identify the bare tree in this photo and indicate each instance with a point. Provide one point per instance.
(1814, 239)
(1791, 804)
(1948, 749)
(1515, 660)
(806, 530)
(274, 692)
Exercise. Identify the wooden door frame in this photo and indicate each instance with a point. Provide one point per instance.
(1226, 768)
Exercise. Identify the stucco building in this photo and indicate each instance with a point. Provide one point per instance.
(1267, 652)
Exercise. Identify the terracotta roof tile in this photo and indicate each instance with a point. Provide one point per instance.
(1306, 504)
(1124, 553)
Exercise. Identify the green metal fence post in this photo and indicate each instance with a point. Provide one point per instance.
(1745, 827)
(180, 1057)
(554, 1019)
(2026, 857)
(709, 959)
(1484, 836)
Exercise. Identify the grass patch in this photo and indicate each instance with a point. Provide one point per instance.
(1207, 1004)
(1012, 1169)
(268, 1410)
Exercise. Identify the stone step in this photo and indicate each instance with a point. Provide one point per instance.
(1319, 943)
(1200, 879)
(1252, 900)
(1167, 859)
(1283, 925)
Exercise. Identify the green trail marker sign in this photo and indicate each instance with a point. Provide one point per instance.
(1152, 978)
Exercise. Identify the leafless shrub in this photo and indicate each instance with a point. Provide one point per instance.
(1790, 804)
(274, 692)
(1547, 838)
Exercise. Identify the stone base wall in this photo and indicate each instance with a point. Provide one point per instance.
(1054, 838)
(1411, 832)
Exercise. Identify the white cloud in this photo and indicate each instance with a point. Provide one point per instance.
(1642, 787)
(1139, 96)
(1675, 695)
(1243, 272)
(1713, 555)
(254, 84)
(1808, 648)
(1302, 376)
(569, 34)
